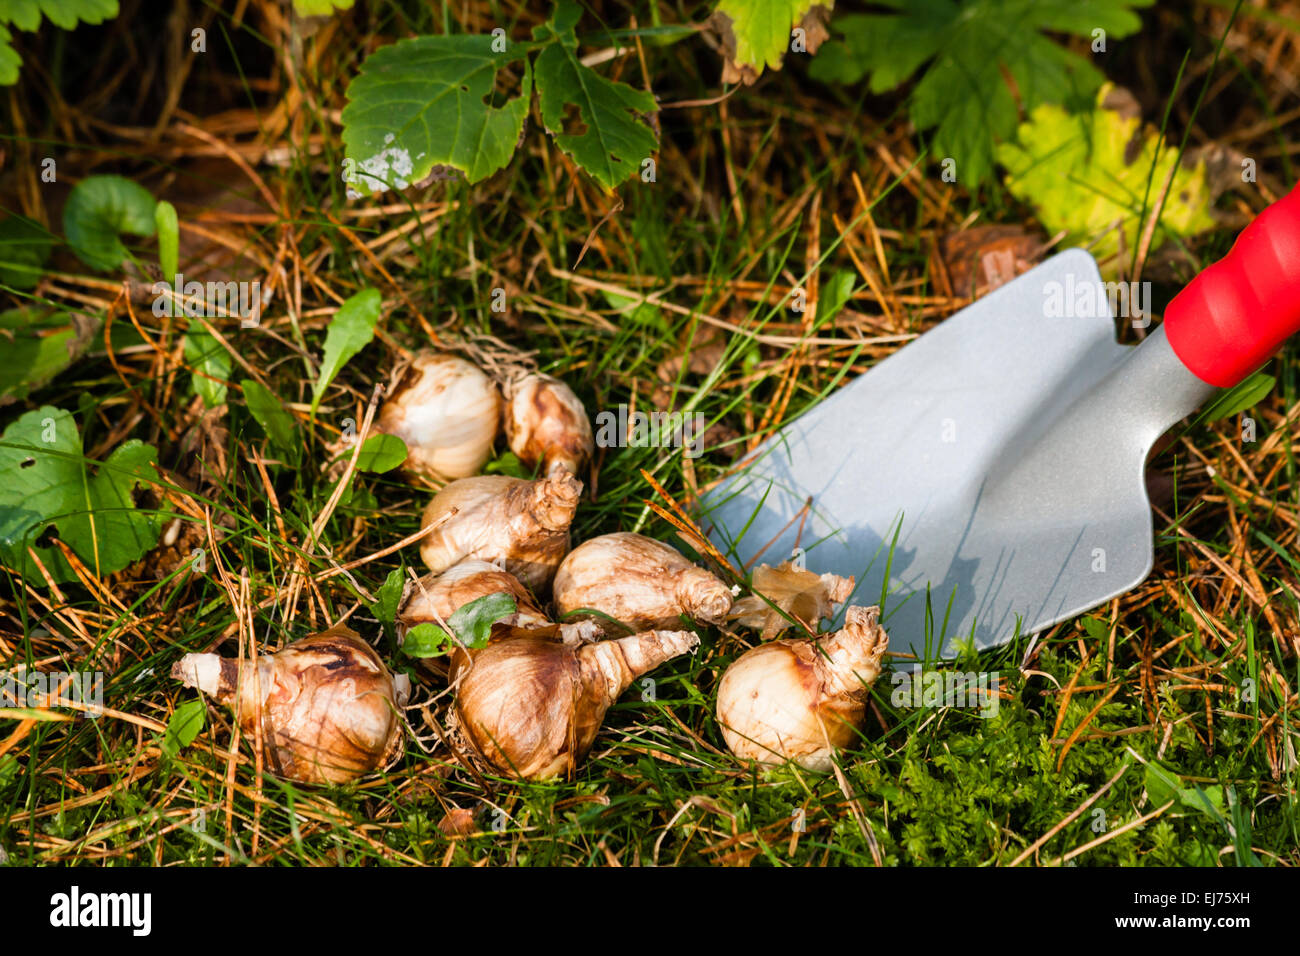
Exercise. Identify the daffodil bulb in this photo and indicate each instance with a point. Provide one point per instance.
(447, 411)
(638, 581)
(520, 525)
(328, 707)
(801, 699)
(546, 424)
(531, 707)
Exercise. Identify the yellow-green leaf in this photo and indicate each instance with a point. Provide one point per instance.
(1084, 173)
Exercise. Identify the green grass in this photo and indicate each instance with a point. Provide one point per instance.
(730, 226)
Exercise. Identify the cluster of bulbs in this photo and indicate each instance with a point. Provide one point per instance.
(530, 703)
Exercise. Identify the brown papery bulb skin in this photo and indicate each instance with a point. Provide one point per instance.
(521, 525)
(642, 582)
(801, 699)
(447, 412)
(531, 708)
(546, 424)
(801, 594)
(328, 706)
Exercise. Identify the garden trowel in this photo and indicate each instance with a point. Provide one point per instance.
(987, 480)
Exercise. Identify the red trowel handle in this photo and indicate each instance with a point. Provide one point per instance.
(1233, 316)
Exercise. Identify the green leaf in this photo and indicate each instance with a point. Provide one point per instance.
(350, 331)
(38, 344)
(45, 481)
(426, 640)
(210, 364)
(320, 8)
(26, 15)
(508, 464)
(636, 311)
(10, 61)
(835, 295)
(65, 14)
(472, 625)
(183, 728)
(1245, 394)
(607, 135)
(26, 245)
(99, 209)
(1082, 173)
(169, 238)
(388, 599)
(423, 105)
(962, 95)
(472, 622)
(757, 33)
(381, 453)
(280, 426)
(1206, 800)
(1162, 786)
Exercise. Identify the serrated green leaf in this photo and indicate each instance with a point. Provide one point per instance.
(99, 209)
(169, 237)
(65, 14)
(26, 15)
(210, 364)
(472, 622)
(1243, 395)
(963, 96)
(184, 726)
(424, 103)
(278, 424)
(46, 481)
(608, 137)
(760, 30)
(1082, 173)
(381, 453)
(26, 244)
(39, 344)
(321, 8)
(10, 61)
(351, 330)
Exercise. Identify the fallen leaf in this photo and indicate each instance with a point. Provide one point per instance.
(1087, 174)
(457, 822)
(979, 260)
